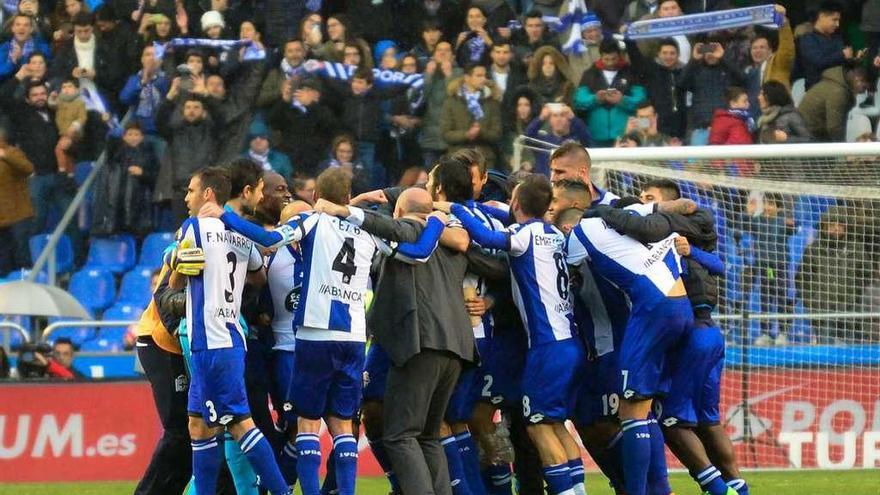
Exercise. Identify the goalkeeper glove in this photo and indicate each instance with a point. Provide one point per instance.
(187, 259)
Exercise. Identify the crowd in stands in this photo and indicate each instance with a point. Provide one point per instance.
(381, 89)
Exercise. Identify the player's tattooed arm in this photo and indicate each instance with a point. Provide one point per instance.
(681, 206)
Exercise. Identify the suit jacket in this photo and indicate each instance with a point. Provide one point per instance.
(421, 306)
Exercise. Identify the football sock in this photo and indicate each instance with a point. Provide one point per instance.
(470, 459)
(242, 473)
(345, 452)
(637, 449)
(558, 480)
(576, 471)
(206, 464)
(287, 463)
(710, 480)
(498, 479)
(381, 456)
(739, 485)
(658, 476)
(258, 451)
(309, 462)
(456, 469)
(612, 459)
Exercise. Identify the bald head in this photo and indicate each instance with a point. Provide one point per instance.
(294, 209)
(414, 201)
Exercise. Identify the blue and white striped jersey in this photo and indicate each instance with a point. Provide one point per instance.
(214, 297)
(540, 283)
(284, 273)
(646, 272)
(485, 328)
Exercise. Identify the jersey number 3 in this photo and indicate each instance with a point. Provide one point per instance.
(344, 262)
(233, 260)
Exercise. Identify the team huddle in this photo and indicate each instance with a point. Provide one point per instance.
(612, 329)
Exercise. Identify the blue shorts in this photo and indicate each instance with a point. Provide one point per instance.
(648, 341)
(217, 392)
(283, 369)
(472, 387)
(695, 389)
(503, 368)
(328, 379)
(551, 380)
(376, 372)
(599, 396)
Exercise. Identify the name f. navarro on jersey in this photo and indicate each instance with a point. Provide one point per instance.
(230, 237)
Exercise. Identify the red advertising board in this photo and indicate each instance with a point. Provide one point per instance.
(107, 431)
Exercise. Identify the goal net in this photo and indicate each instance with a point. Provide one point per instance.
(799, 232)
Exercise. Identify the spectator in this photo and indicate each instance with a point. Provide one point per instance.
(637, 10)
(400, 148)
(474, 44)
(549, 75)
(193, 140)
(62, 21)
(870, 26)
(304, 123)
(661, 77)
(101, 67)
(35, 69)
(772, 58)
(472, 114)
(338, 32)
(556, 124)
(608, 95)
(780, 122)
(825, 106)
(439, 71)
(60, 363)
(16, 212)
(591, 34)
(294, 52)
(118, 35)
(668, 8)
(823, 48)
(304, 189)
(145, 90)
(356, 54)
(734, 124)
(630, 140)
(423, 49)
(645, 122)
(15, 52)
(498, 14)
(504, 72)
(386, 55)
(707, 76)
(446, 15)
(770, 230)
(32, 9)
(310, 32)
(260, 151)
(533, 36)
(124, 186)
(70, 118)
(343, 155)
(834, 273)
(515, 118)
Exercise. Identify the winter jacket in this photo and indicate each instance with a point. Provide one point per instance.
(825, 106)
(431, 138)
(455, 120)
(305, 136)
(362, 114)
(663, 91)
(788, 120)
(111, 68)
(707, 84)
(35, 135)
(816, 53)
(558, 89)
(728, 128)
(607, 122)
(15, 201)
(120, 198)
(191, 146)
(145, 105)
(234, 112)
(7, 68)
(536, 129)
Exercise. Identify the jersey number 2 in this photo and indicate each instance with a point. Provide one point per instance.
(344, 262)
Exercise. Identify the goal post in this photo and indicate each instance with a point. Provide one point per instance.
(799, 232)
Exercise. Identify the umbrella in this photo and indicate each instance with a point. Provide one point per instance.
(32, 299)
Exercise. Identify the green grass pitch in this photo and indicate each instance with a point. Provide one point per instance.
(866, 482)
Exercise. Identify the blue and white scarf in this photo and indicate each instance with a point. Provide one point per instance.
(476, 47)
(472, 99)
(381, 78)
(27, 48)
(663, 27)
(290, 71)
(149, 98)
(745, 116)
(252, 50)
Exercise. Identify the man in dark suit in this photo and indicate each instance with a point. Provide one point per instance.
(419, 318)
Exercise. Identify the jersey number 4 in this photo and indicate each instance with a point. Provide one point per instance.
(344, 262)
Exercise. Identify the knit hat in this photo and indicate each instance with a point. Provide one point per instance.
(212, 18)
(590, 21)
(382, 46)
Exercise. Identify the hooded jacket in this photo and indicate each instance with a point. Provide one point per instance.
(607, 122)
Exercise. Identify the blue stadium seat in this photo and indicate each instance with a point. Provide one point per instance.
(95, 289)
(108, 340)
(154, 246)
(123, 312)
(114, 253)
(22, 274)
(81, 171)
(135, 287)
(63, 251)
